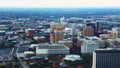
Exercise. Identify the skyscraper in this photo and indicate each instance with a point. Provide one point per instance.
(73, 31)
(106, 58)
(57, 33)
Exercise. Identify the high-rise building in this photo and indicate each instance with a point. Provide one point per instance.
(73, 31)
(93, 25)
(88, 31)
(106, 58)
(56, 33)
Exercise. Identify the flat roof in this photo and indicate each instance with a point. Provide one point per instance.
(52, 46)
(108, 50)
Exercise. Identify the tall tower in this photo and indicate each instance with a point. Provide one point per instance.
(59, 32)
(73, 31)
(56, 32)
(106, 58)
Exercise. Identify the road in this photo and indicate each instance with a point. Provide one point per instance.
(8, 54)
(14, 53)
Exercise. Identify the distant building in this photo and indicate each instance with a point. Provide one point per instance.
(30, 32)
(51, 49)
(74, 40)
(106, 58)
(88, 31)
(73, 31)
(20, 33)
(114, 33)
(104, 36)
(2, 33)
(67, 32)
(4, 28)
(10, 33)
(93, 25)
(63, 20)
(20, 55)
(115, 42)
(40, 39)
(52, 37)
(29, 53)
(67, 42)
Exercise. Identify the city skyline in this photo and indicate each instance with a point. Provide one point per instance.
(59, 3)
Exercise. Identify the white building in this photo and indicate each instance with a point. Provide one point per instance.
(115, 42)
(73, 30)
(52, 49)
(72, 57)
(20, 55)
(90, 44)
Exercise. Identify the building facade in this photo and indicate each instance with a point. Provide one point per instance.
(106, 58)
(88, 31)
(52, 49)
(56, 33)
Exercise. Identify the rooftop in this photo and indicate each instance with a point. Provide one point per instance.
(108, 50)
(72, 57)
(52, 46)
(56, 23)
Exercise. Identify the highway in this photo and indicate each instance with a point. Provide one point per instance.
(9, 54)
(14, 53)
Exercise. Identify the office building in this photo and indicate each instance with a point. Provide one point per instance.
(51, 49)
(88, 31)
(93, 25)
(73, 30)
(90, 44)
(114, 33)
(56, 33)
(67, 42)
(114, 42)
(30, 32)
(4, 28)
(106, 58)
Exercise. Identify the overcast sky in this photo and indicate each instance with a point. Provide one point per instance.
(59, 3)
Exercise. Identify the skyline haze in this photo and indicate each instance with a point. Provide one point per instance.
(59, 3)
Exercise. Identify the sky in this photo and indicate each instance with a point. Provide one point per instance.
(60, 3)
